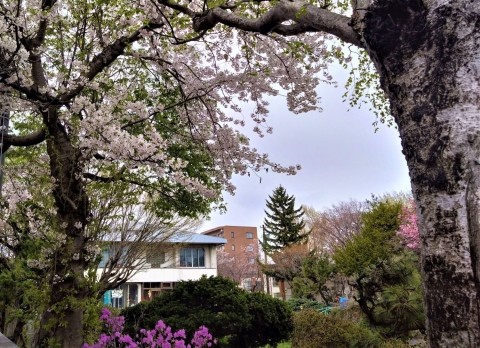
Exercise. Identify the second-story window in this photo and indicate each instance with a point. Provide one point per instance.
(249, 235)
(105, 257)
(192, 257)
(115, 254)
(155, 257)
(232, 234)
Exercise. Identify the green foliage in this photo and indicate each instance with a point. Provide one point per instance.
(315, 272)
(395, 343)
(24, 294)
(315, 330)
(384, 274)
(284, 225)
(374, 242)
(363, 85)
(214, 302)
(400, 305)
(92, 325)
(271, 321)
(236, 317)
(298, 304)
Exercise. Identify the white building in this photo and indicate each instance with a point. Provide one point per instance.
(191, 256)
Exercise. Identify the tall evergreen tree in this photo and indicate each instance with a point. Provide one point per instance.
(283, 225)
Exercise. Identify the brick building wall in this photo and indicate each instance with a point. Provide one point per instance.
(239, 255)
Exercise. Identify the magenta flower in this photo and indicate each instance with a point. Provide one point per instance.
(160, 337)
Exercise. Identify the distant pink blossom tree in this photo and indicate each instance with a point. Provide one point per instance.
(408, 230)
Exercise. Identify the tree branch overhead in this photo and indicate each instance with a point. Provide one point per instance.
(285, 18)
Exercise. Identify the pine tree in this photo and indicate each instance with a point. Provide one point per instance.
(283, 225)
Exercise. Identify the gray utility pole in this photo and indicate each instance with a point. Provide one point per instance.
(267, 278)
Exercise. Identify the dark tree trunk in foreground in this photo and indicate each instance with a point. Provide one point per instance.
(429, 63)
(62, 323)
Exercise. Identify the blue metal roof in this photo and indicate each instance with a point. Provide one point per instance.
(196, 238)
(178, 237)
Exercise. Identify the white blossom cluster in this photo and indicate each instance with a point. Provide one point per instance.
(166, 87)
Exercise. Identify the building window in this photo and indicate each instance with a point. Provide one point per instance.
(105, 258)
(251, 260)
(249, 247)
(247, 284)
(192, 257)
(232, 234)
(233, 247)
(124, 296)
(155, 257)
(152, 290)
(114, 253)
(249, 235)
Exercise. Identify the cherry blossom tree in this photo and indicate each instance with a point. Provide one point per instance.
(102, 97)
(240, 266)
(408, 230)
(425, 53)
(149, 94)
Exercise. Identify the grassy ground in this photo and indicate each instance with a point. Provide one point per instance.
(281, 345)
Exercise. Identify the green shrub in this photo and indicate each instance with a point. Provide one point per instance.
(297, 304)
(315, 330)
(235, 317)
(271, 321)
(394, 343)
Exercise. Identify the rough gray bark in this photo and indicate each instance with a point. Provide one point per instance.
(65, 323)
(427, 58)
(426, 54)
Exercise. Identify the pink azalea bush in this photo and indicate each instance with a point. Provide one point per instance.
(161, 336)
(408, 230)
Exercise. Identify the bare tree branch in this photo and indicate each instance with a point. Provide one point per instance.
(131, 237)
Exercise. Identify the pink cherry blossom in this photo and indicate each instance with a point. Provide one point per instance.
(408, 230)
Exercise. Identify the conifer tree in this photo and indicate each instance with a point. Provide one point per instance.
(283, 225)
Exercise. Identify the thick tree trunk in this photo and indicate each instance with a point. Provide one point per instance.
(427, 55)
(63, 320)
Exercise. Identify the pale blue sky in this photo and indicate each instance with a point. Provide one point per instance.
(342, 158)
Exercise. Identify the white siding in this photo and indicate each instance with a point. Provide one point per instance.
(171, 274)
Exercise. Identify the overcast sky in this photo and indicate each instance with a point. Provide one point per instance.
(342, 158)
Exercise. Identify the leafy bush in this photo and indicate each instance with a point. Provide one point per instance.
(297, 304)
(395, 343)
(236, 317)
(315, 330)
(384, 274)
(271, 321)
